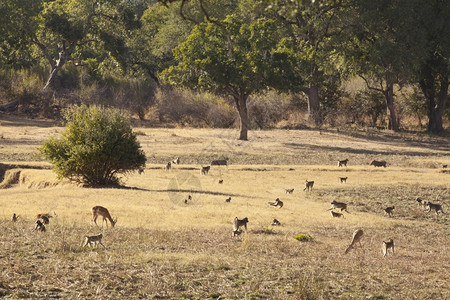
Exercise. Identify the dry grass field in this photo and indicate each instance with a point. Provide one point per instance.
(163, 248)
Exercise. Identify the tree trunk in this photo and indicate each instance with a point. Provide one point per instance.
(241, 104)
(435, 110)
(314, 114)
(389, 95)
(63, 57)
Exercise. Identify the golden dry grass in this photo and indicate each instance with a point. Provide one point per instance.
(163, 248)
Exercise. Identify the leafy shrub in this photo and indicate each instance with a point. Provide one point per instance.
(303, 237)
(98, 144)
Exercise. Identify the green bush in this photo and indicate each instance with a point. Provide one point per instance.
(96, 147)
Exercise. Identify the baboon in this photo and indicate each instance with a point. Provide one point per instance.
(14, 217)
(236, 233)
(343, 179)
(228, 199)
(39, 226)
(436, 207)
(336, 214)
(276, 203)
(357, 235)
(44, 217)
(289, 191)
(388, 245)
(338, 205)
(205, 170)
(102, 211)
(220, 181)
(309, 185)
(444, 166)
(377, 163)
(168, 166)
(219, 162)
(45, 220)
(176, 161)
(276, 222)
(93, 240)
(239, 223)
(388, 210)
(342, 162)
(420, 202)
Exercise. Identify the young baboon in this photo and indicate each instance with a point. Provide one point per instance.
(239, 223)
(220, 181)
(388, 210)
(276, 203)
(436, 207)
(14, 217)
(39, 226)
(309, 185)
(276, 222)
(377, 163)
(343, 179)
(102, 211)
(176, 161)
(388, 245)
(205, 170)
(228, 200)
(357, 235)
(342, 163)
(168, 166)
(93, 240)
(289, 191)
(236, 233)
(336, 214)
(338, 205)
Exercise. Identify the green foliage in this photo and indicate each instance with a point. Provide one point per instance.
(98, 144)
(303, 237)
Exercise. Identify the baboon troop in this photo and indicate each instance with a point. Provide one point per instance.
(377, 163)
(388, 210)
(357, 236)
(205, 170)
(309, 185)
(436, 207)
(14, 217)
(93, 241)
(336, 214)
(219, 162)
(277, 203)
(168, 166)
(338, 205)
(228, 200)
(343, 179)
(388, 245)
(275, 222)
(39, 226)
(342, 163)
(289, 191)
(102, 211)
(240, 223)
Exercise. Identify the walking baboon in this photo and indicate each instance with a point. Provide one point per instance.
(168, 166)
(436, 207)
(377, 163)
(309, 185)
(276, 222)
(388, 210)
(388, 245)
(357, 236)
(220, 181)
(336, 214)
(93, 240)
(338, 205)
(343, 179)
(276, 203)
(228, 199)
(342, 162)
(289, 191)
(444, 166)
(39, 226)
(205, 170)
(14, 217)
(239, 223)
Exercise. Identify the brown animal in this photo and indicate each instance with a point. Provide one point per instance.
(388, 210)
(168, 166)
(228, 200)
(338, 205)
(388, 245)
(189, 198)
(377, 163)
(236, 233)
(240, 223)
(289, 191)
(436, 207)
(309, 185)
(205, 170)
(14, 217)
(342, 162)
(336, 214)
(176, 161)
(276, 222)
(39, 226)
(44, 217)
(221, 181)
(343, 179)
(219, 162)
(276, 203)
(421, 203)
(357, 236)
(444, 166)
(93, 240)
(102, 211)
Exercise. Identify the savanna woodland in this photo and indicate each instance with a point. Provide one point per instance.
(246, 149)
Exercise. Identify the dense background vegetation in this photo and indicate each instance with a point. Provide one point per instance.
(209, 63)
